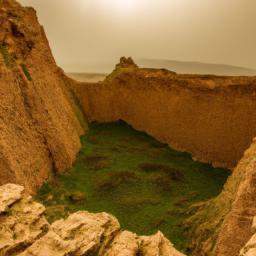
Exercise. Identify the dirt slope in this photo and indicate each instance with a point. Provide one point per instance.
(209, 116)
(39, 132)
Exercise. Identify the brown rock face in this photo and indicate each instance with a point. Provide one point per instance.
(24, 231)
(126, 63)
(250, 248)
(209, 116)
(223, 225)
(39, 131)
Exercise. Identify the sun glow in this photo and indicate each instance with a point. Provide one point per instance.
(123, 6)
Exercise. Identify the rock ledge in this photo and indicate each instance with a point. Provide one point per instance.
(24, 231)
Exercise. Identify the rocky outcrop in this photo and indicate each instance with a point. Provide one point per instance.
(21, 223)
(209, 116)
(250, 247)
(24, 231)
(126, 63)
(222, 226)
(39, 131)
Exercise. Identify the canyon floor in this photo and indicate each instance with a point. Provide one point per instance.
(127, 173)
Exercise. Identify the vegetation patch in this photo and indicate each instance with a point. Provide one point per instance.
(97, 162)
(145, 184)
(26, 72)
(8, 60)
(114, 181)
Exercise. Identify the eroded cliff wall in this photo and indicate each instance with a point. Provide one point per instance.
(222, 226)
(39, 131)
(209, 116)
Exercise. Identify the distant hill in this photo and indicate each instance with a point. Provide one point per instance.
(87, 77)
(183, 67)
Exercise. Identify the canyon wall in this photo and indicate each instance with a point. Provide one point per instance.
(222, 225)
(211, 117)
(39, 131)
(208, 116)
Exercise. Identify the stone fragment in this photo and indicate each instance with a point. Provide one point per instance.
(81, 233)
(9, 194)
(125, 244)
(158, 245)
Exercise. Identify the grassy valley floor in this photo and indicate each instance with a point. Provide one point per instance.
(144, 183)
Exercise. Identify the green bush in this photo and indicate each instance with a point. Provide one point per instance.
(26, 72)
(6, 56)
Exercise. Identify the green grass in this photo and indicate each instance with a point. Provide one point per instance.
(26, 72)
(145, 184)
(8, 60)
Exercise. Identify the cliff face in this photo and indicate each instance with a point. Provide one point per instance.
(25, 232)
(39, 132)
(222, 226)
(209, 116)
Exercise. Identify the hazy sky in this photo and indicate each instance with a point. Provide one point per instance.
(87, 34)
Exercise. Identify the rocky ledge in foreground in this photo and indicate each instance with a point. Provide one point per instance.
(25, 231)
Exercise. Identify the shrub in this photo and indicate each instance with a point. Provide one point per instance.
(26, 72)
(8, 60)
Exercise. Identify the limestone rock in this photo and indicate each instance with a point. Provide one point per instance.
(250, 248)
(24, 231)
(9, 194)
(158, 245)
(124, 244)
(80, 234)
(21, 225)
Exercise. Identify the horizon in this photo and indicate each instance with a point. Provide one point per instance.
(212, 32)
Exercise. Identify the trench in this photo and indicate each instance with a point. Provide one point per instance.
(144, 183)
